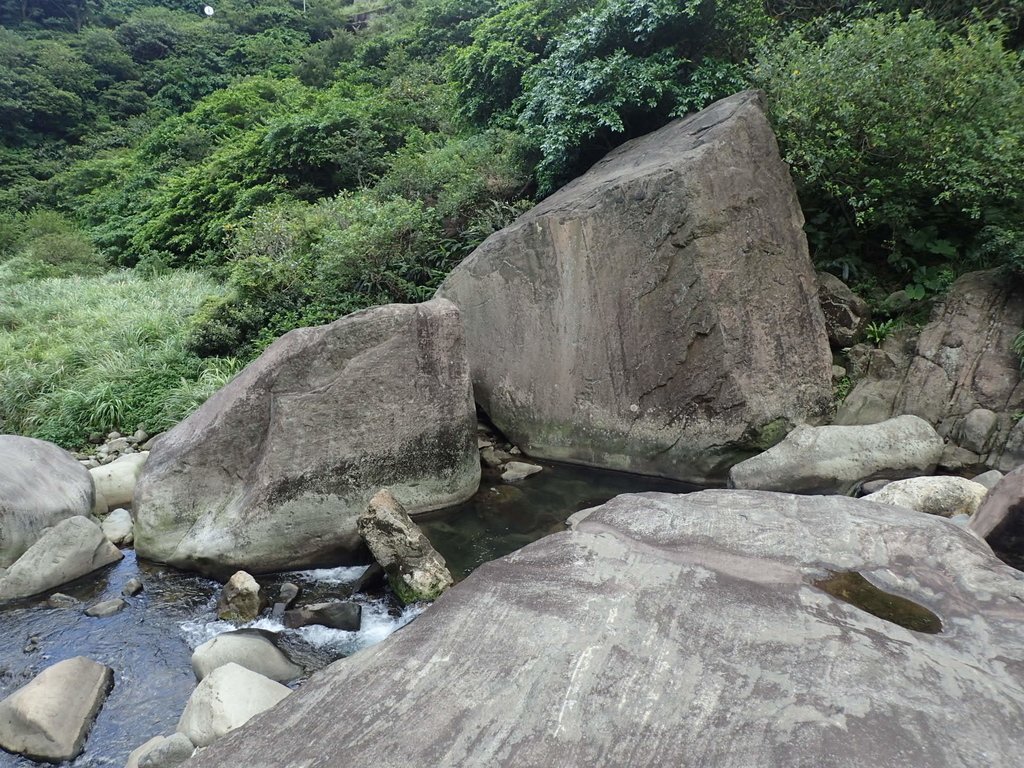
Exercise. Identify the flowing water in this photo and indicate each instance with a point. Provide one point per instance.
(149, 644)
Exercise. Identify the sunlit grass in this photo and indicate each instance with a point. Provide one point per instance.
(92, 354)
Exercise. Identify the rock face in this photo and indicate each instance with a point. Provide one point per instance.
(962, 377)
(846, 313)
(225, 700)
(68, 550)
(42, 485)
(683, 630)
(657, 315)
(49, 718)
(116, 481)
(836, 459)
(416, 571)
(247, 648)
(273, 470)
(944, 496)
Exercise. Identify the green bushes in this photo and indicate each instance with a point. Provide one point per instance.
(93, 354)
(906, 141)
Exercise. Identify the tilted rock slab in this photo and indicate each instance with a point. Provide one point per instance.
(272, 472)
(962, 377)
(49, 718)
(40, 485)
(67, 551)
(657, 315)
(836, 459)
(944, 496)
(683, 631)
(416, 571)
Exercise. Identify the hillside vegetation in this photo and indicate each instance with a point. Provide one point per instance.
(177, 189)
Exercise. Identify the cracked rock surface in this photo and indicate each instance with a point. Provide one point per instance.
(683, 630)
(657, 315)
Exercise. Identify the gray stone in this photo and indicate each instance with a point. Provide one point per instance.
(117, 480)
(42, 485)
(336, 615)
(50, 717)
(836, 459)
(241, 600)
(106, 608)
(272, 472)
(943, 496)
(248, 648)
(838, 372)
(659, 314)
(65, 552)
(139, 752)
(131, 587)
(416, 571)
(872, 486)
(683, 630)
(515, 471)
(846, 313)
(989, 479)
(287, 594)
(118, 527)
(168, 753)
(976, 430)
(62, 601)
(225, 700)
(492, 457)
(1000, 518)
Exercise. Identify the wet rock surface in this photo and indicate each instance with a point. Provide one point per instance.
(684, 630)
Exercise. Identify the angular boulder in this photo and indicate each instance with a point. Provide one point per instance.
(241, 600)
(836, 459)
(1000, 518)
(962, 377)
(225, 700)
(337, 615)
(684, 630)
(272, 472)
(943, 496)
(49, 718)
(416, 571)
(65, 552)
(40, 485)
(846, 313)
(659, 314)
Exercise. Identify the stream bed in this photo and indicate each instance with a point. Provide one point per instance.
(149, 644)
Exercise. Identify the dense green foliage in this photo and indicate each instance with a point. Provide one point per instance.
(320, 157)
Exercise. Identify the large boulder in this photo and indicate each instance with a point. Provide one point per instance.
(657, 315)
(272, 472)
(225, 700)
(944, 496)
(685, 630)
(836, 459)
(49, 718)
(70, 549)
(963, 376)
(416, 571)
(40, 485)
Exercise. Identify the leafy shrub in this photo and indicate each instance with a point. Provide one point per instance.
(905, 139)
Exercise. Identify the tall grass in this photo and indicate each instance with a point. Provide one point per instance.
(92, 354)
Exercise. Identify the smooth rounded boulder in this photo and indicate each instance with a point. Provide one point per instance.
(248, 648)
(943, 496)
(659, 314)
(836, 459)
(40, 485)
(50, 717)
(273, 470)
(692, 630)
(116, 481)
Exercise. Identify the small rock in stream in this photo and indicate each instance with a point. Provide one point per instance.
(60, 600)
(106, 608)
(515, 471)
(132, 587)
(346, 616)
(168, 753)
(241, 599)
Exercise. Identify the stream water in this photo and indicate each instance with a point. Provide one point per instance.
(149, 644)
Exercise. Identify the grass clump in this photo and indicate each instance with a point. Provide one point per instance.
(92, 354)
